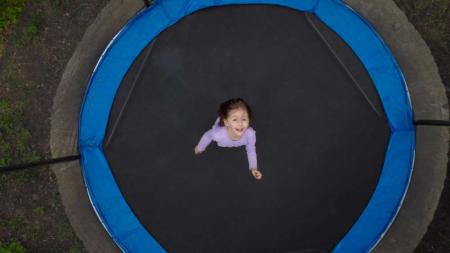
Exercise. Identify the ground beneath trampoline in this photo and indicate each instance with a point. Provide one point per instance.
(31, 210)
(37, 51)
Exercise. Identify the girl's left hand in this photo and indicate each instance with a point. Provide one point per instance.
(257, 174)
(197, 151)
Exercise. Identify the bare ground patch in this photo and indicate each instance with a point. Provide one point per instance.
(31, 66)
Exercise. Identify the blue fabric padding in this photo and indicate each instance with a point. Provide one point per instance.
(375, 56)
(112, 68)
(109, 202)
(387, 198)
(106, 198)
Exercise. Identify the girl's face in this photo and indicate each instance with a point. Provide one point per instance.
(237, 121)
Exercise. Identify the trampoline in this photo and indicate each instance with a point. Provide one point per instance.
(334, 126)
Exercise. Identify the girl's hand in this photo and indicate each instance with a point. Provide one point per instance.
(257, 174)
(197, 151)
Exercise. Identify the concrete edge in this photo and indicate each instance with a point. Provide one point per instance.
(64, 122)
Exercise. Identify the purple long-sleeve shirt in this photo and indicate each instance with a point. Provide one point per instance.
(219, 134)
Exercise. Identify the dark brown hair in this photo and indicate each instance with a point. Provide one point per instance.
(232, 104)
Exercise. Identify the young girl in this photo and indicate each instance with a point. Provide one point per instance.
(231, 129)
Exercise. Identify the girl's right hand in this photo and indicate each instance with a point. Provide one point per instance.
(197, 151)
(257, 174)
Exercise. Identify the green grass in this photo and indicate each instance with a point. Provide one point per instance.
(12, 247)
(39, 211)
(74, 250)
(11, 79)
(10, 11)
(15, 224)
(20, 225)
(57, 6)
(14, 137)
(30, 31)
(14, 145)
(66, 232)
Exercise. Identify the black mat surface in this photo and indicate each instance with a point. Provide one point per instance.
(321, 134)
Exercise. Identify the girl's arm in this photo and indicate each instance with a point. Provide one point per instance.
(251, 150)
(216, 123)
(205, 140)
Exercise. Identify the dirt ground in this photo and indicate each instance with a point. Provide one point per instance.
(30, 71)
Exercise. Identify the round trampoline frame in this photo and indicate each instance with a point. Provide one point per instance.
(105, 196)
